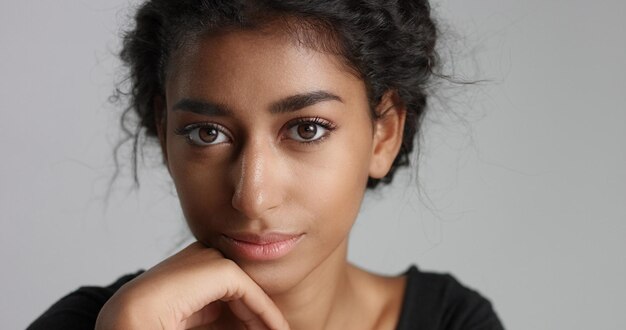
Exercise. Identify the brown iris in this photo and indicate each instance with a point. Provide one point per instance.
(208, 134)
(307, 131)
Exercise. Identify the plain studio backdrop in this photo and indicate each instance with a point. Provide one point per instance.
(523, 177)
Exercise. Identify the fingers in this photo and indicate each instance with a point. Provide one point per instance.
(249, 319)
(187, 289)
(207, 315)
(247, 301)
(256, 310)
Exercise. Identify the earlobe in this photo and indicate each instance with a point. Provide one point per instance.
(388, 134)
(160, 122)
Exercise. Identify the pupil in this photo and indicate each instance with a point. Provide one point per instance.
(307, 131)
(208, 134)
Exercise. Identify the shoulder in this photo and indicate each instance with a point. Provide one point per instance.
(79, 309)
(440, 301)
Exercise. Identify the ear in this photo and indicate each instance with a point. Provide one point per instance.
(160, 122)
(388, 133)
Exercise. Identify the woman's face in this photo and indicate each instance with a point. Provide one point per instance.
(270, 145)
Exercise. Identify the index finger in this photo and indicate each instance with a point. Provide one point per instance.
(259, 319)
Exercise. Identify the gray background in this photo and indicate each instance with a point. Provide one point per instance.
(523, 177)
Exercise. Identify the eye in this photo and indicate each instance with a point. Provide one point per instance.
(204, 134)
(309, 129)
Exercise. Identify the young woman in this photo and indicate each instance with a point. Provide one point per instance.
(274, 117)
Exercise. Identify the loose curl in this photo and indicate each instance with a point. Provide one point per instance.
(390, 45)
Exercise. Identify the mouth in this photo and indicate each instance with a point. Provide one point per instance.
(261, 247)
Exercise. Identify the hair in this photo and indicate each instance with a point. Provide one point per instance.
(388, 44)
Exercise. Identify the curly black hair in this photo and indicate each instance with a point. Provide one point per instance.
(389, 44)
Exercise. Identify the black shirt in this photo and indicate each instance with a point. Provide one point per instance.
(431, 301)
(439, 301)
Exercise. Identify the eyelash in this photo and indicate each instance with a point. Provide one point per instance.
(186, 131)
(327, 125)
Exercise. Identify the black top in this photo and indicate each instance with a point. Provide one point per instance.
(439, 301)
(431, 301)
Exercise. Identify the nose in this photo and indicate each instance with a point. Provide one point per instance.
(256, 180)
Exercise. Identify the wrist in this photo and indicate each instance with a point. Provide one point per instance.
(123, 312)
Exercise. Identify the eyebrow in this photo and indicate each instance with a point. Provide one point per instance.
(288, 104)
(201, 107)
(300, 101)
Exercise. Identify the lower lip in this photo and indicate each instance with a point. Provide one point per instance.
(262, 252)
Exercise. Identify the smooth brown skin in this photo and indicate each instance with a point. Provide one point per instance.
(260, 177)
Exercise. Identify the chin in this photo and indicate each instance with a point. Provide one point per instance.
(275, 277)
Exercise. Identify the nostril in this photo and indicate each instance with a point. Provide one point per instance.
(249, 203)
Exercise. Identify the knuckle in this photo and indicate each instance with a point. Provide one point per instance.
(227, 266)
(215, 253)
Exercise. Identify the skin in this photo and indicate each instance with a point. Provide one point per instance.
(257, 174)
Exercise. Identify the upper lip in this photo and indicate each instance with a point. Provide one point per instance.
(262, 239)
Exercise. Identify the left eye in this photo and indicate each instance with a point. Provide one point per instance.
(307, 132)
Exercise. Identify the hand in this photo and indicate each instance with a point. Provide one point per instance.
(188, 290)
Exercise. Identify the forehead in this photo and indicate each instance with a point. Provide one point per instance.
(253, 65)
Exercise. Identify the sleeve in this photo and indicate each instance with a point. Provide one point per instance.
(79, 309)
(466, 309)
(439, 301)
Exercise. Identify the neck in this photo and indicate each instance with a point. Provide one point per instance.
(319, 300)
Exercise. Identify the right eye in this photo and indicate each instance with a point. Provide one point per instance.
(204, 134)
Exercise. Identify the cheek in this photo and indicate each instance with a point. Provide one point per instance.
(199, 181)
(333, 188)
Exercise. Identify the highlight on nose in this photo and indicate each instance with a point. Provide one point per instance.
(256, 184)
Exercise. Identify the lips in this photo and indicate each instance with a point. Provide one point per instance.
(260, 247)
